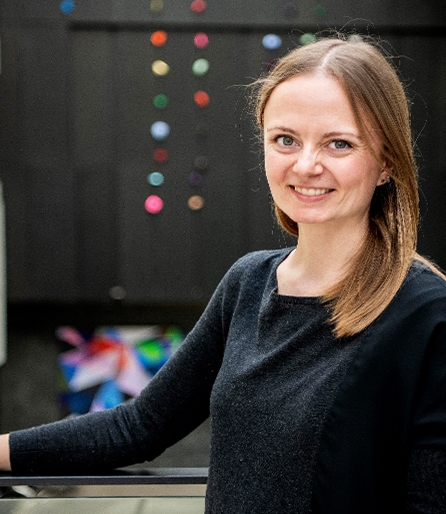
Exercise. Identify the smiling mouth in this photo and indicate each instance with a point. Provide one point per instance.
(311, 191)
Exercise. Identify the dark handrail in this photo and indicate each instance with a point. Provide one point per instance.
(124, 476)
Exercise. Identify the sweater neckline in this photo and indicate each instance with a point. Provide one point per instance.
(273, 285)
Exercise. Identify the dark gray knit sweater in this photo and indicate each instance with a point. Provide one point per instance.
(266, 368)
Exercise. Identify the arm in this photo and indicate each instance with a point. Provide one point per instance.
(426, 481)
(174, 403)
(5, 463)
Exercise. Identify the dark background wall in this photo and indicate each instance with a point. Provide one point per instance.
(76, 109)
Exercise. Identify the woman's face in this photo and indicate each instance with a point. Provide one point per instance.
(318, 166)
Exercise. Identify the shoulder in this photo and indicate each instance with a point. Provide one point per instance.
(423, 285)
(246, 280)
(254, 271)
(262, 260)
(418, 309)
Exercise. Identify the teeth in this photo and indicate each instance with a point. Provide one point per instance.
(311, 191)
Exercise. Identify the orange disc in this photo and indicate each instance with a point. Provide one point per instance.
(195, 203)
(158, 38)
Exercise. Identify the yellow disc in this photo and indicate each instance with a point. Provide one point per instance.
(156, 5)
(160, 68)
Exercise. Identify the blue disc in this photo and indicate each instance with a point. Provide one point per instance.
(155, 179)
(272, 42)
(67, 6)
(160, 130)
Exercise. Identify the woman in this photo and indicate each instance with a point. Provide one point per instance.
(323, 367)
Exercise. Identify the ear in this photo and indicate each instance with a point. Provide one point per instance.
(383, 178)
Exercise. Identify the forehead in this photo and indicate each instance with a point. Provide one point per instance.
(315, 95)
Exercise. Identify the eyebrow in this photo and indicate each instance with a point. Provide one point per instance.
(280, 127)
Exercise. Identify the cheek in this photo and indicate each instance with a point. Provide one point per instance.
(271, 179)
(368, 186)
(364, 174)
(276, 181)
(276, 165)
(270, 168)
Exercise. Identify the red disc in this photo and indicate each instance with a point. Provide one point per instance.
(201, 98)
(160, 155)
(198, 6)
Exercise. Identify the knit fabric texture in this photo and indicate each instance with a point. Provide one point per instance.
(267, 369)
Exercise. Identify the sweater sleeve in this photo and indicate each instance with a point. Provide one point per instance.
(429, 428)
(426, 482)
(174, 403)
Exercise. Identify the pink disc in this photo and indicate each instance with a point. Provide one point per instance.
(201, 40)
(153, 204)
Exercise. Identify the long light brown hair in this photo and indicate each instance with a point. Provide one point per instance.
(377, 95)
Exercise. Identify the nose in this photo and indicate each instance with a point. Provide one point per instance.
(308, 162)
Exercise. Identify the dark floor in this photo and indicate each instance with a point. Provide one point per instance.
(28, 395)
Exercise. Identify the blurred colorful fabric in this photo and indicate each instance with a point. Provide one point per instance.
(113, 364)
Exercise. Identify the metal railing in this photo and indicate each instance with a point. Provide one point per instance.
(125, 491)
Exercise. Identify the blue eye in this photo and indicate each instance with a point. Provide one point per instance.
(340, 144)
(285, 140)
